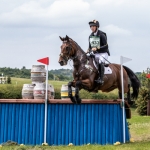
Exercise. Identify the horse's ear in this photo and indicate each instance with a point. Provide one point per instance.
(67, 38)
(61, 38)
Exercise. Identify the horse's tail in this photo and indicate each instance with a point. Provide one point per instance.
(135, 83)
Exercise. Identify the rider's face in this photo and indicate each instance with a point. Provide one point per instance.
(93, 28)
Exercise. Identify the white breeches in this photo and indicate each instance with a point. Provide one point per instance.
(101, 57)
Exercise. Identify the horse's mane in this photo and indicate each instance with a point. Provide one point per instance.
(77, 44)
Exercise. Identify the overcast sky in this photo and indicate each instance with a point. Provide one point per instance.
(30, 30)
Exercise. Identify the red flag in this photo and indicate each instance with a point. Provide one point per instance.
(44, 60)
(148, 76)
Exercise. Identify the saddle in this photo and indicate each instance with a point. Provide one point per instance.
(95, 62)
(106, 65)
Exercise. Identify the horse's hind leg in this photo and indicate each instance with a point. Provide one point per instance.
(120, 95)
(70, 92)
(129, 95)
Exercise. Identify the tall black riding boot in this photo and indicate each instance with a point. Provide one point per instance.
(101, 74)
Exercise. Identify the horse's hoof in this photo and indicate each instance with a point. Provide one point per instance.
(79, 101)
(130, 102)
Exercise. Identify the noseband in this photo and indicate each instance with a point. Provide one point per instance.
(66, 58)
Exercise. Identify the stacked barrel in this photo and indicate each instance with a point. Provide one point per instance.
(64, 91)
(37, 89)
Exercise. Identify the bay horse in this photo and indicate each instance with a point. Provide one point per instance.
(85, 73)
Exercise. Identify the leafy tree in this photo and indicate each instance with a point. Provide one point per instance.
(144, 93)
(23, 67)
(8, 80)
(60, 74)
(50, 76)
(141, 102)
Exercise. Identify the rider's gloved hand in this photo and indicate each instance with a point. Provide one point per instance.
(94, 49)
(92, 54)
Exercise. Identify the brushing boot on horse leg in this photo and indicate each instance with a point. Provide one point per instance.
(73, 99)
(101, 73)
(77, 85)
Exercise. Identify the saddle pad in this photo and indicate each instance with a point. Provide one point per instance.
(107, 70)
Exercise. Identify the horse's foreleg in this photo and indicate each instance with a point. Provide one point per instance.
(70, 92)
(78, 99)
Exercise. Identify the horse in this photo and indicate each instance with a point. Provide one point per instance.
(85, 73)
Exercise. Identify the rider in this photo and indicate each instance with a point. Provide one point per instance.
(98, 45)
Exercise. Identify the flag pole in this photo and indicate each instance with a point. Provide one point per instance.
(45, 125)
(123, 109)
(123, 60)
(46, 62)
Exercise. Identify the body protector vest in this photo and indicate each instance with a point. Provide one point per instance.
(98, 41)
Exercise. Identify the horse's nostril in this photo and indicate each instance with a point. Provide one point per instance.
(61, 63)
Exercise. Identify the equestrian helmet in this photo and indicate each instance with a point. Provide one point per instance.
(94, 23)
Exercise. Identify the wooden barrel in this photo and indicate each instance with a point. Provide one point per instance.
(52, 96)
(27, 91)
(39, 91)
(64, 91)
(38, 74)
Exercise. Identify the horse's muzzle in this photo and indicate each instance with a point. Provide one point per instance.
(61, 63)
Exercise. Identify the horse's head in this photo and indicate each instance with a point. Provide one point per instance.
(67, 50)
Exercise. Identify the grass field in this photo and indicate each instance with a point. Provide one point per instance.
(56, 84)
(128, 146)
(17, 83)
(21, 81)
(140, 127)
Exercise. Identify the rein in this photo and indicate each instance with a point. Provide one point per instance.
(80, 59)
(80, 62)
(77, 56)
(66, 58)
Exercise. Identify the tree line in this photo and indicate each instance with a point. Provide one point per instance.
(57, 74)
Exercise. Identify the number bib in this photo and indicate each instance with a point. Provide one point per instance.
(95, 41)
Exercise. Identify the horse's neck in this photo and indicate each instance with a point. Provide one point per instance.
(80, 58)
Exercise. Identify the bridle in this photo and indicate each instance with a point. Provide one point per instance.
(67, 56)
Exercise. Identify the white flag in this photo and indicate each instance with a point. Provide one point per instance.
(124, 59)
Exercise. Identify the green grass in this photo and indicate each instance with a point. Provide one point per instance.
(18, 83)
(127, 146)
(139, 130)
(140, 127)
(21, 81)
(57, 84)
